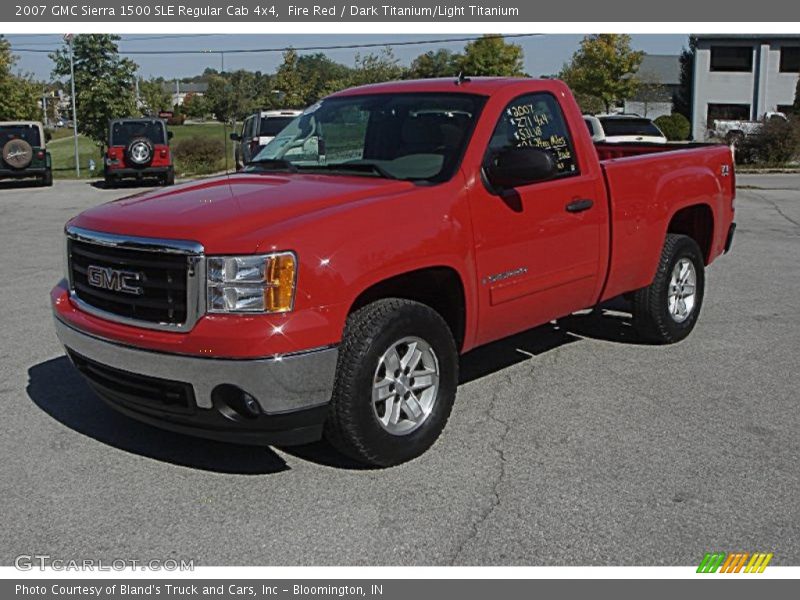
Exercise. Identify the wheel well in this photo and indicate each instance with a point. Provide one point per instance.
(438, 287)
(697, 222)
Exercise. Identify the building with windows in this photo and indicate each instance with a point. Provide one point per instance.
(742, 77)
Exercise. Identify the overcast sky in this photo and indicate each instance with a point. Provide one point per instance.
(543, 55)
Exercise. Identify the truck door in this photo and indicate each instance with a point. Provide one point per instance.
(541, 249)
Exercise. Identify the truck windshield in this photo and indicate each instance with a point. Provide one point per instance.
(273, 125)
(411, 136)
(29, 133)
(628, 126)
(123, 132)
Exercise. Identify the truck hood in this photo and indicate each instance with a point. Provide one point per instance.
(219, 212)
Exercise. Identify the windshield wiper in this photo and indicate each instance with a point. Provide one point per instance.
(273, 163)
(359, 167)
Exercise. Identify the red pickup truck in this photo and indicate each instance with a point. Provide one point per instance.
(330, 287)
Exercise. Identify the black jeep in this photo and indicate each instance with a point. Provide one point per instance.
(23, 152)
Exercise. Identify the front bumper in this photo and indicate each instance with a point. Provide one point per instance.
(143, 172)
(190, 394)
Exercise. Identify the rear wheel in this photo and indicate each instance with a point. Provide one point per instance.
(666, 311)
(395, 383)
(169, 178)
(47, 178)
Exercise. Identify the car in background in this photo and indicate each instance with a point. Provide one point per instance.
(624, 128)
(258, 130)
(138, 149)
(734, 131)
(23, 153)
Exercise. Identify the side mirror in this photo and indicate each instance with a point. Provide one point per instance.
(169, 135)
(514, 167)
(236, 137)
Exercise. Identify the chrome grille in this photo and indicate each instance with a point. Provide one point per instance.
(165, 274)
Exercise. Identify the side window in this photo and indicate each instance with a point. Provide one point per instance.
(536, 120)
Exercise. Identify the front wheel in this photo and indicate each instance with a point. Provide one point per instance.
(666, 311)
(395, 383)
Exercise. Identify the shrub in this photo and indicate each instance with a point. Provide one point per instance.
(676, 127)
(777, 143)
(199, 155)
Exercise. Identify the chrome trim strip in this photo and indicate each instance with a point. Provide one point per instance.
(280, 384)
(195, 275)
(133, 242)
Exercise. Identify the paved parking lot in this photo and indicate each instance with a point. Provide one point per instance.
(569, 444)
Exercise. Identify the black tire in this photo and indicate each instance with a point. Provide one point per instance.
(169, 178)
(734, 138)
(352, 425)
(110, 182)
(47, 178)
(651, 313)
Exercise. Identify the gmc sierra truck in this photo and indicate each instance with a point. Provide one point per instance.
(329, 288)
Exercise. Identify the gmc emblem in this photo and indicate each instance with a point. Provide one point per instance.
(114, 279)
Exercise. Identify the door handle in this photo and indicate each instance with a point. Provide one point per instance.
(580, 205)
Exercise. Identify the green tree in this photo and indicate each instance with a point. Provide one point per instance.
(374, 68)
(319, 72)
(439, 63)
(104, 82)
(153, 97)
(682, 102)
(590, 105)
(19, 95)
(604, 66)
(195, 106)
(491, 55)
(291, 89)
(796, 106)
(232, 96)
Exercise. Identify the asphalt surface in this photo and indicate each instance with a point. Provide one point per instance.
(568, 445)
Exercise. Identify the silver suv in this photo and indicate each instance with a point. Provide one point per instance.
(257, 130)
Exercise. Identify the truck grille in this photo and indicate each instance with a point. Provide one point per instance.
(160, 281)
(134, 390)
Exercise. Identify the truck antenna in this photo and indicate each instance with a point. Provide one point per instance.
(461, 78)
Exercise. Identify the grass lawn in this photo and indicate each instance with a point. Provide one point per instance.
(63, 153)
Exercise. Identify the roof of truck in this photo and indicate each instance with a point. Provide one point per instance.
(470, 85)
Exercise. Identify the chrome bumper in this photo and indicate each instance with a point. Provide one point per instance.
(280, 385)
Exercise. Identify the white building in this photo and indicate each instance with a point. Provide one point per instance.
(742, 77)
(179, 90)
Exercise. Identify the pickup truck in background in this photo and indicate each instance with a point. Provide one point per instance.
(329, 288)
(734, 131)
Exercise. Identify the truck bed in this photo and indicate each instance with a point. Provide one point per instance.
(606, 151)
(646, 182)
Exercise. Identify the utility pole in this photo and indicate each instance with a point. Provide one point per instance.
(44, 108)
(68, 39)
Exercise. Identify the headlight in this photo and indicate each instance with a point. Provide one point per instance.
(261, 283)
